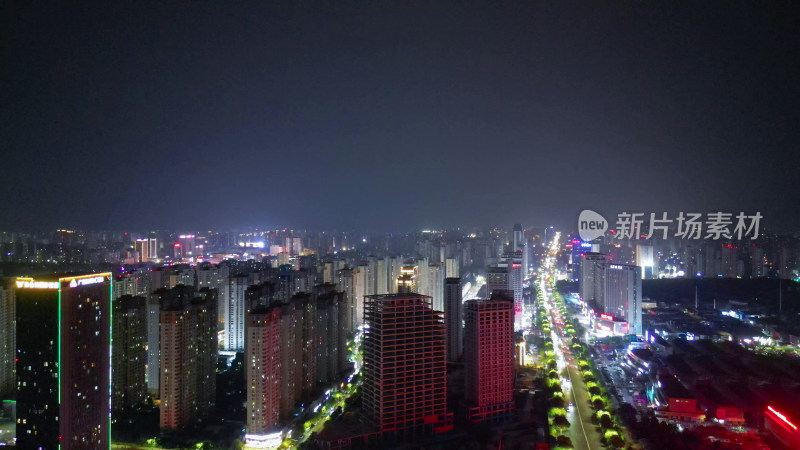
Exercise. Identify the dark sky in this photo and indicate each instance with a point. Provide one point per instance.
(378, 115)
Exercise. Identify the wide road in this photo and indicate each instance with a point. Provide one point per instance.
(582, 431)
(581, 413)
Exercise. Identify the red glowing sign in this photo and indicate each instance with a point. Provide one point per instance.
(782, 417)
(515, 265)
(606, 317)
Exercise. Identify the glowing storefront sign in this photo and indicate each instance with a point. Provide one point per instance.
(263, 440)
(607, 317)
(30, 283)
(86, 281)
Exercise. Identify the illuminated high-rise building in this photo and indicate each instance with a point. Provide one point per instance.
(382, 276)
(423, 275)
(623, 295)
(407, 280)
(309, 342)
(329, 272)
(758, 264)
(436, 285)
(372, 275)
(147, 248)
(394, 272)
(153, 365)
(7, 340)
(188, 245)
(360, 289)
(294, 245)
(346, 309)
(215, 277)
(283, 258)
(451, 267)
(508, 276)
(263, 374)
(527, 258)
(344, 333)
(64, 361)
(592, 278)
(496, 279)
(489, 356)
(784, 262)
(517, 239)
(404, 372)
(327, 333)
(515, 276)
(135, 282)
(453, 315)
(129, 388)
(177, 251)
(645, 258)
(180, 274)
(344, 281)
(613, 292)
(291, 354)
(235, 312)
(188, 355)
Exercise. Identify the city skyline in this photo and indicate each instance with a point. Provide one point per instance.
(357, 225)
(410, 338)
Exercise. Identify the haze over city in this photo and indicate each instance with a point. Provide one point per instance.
(394, 116)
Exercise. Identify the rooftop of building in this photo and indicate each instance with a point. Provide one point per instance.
(673, 388)
(398, 296)
(643, 354)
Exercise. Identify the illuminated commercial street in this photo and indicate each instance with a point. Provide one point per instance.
(582, 431)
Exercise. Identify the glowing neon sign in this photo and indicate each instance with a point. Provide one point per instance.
(263, 440)
(86, 281)
(30, 283)
(607, 317)
(782, 417)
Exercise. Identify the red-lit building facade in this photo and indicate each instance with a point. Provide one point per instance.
(404, 372)
(188, 355)
(263, 371)
(489, 357)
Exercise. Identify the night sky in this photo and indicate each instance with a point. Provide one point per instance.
(373, 115)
